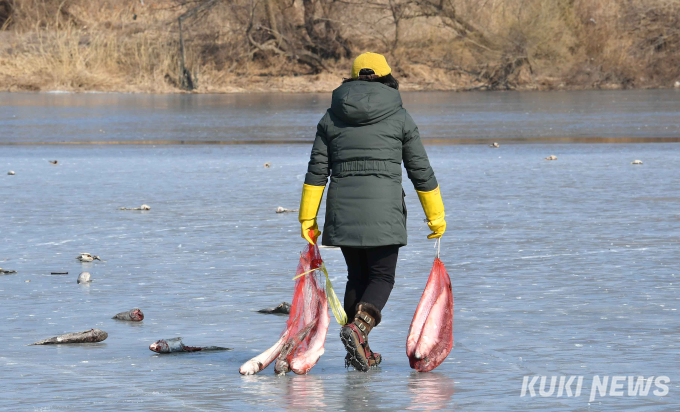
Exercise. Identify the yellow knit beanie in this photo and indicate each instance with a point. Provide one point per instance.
(373, 61)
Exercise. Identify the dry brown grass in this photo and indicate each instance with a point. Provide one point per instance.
(132, 45)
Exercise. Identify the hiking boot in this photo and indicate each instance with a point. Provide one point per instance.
(354, 336)
(373, 360)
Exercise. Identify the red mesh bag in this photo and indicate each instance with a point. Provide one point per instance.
(430, 337)
(302, 342)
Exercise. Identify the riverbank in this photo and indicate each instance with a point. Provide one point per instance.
(308, 46)
(325, 83)
(293, 84)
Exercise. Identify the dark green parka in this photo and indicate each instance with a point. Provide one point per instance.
(360, 143)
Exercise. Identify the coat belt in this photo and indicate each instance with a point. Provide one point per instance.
(366, 167)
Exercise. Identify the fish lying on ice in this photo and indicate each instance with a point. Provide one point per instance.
(92, 335)
(142, 207)
(284, 210)
(87, 257)
(8, 272)
(283, 308)
(133, 315)
(175, 345)
(84, 277)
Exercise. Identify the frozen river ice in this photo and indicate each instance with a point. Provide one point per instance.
(568, 267)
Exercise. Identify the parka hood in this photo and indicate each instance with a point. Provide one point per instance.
(360, 102)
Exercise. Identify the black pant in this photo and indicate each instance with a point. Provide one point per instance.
(370, 276)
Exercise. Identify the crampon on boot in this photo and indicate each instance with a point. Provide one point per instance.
(354, 336)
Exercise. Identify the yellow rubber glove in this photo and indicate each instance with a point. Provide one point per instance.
(434, 211)
(309, 207)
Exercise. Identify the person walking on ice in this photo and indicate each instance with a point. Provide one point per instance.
(361, 142)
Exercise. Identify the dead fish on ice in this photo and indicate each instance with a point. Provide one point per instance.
(92, 335)
(495, 145)
(84, 277)
(551, 157)
(11, 173)
(87, 257)
(267, 165)
(142, 207)
(636, 162)
(54, 162)
(284, 210)
(133, 315)
(6, 271)
(283, 308)
(175, 345)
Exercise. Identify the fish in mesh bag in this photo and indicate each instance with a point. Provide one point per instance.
(302, 342)
(430, 337)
